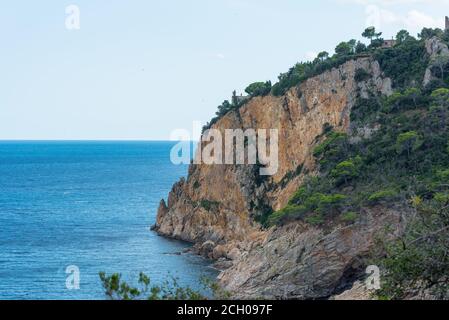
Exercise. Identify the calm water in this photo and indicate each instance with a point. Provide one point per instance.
(88, 204)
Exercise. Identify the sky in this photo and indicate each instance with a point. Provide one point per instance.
(140, 69)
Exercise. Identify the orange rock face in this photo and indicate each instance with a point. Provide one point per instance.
(237, 193)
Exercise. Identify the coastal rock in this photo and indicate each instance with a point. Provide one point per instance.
(219, 252)
(237, 194)
(223, 264)
(206, 249)
(302, 262)
(357, 292)
(217, 206)
(234, 254)
(436, 49)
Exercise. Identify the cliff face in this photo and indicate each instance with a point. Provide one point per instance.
(216, 206)
(297, 261)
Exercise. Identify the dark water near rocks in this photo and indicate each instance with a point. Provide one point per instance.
(88, 204)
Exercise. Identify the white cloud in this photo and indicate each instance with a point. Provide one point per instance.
(381, 13)
(416, 19)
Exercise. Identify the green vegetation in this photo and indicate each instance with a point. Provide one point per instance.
(117, 289)
(370, 33)
(401, 159)
(349, 217)
(405, 63)
(361, 75)
(209, 205)
(419, 260)
(402, 162)
(383, 196)
(259, 89)
(346, 170)
(408, 142)
(401, 156)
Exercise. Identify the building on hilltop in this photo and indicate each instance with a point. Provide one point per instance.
(389, 43)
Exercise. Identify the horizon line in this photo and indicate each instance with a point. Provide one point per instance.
(93, 140)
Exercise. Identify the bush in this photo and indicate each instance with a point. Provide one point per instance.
(365, 109)
(383, 195)
(290, 212)
(259, 89)
(116, 289)
(305, 70)
(441, 96)
(349, 217)
(333, 139)
(346, 170)
(408, 141)
(209, 205)
(305, 202)
(362, 75)
(405, 63)
(418, 262)
(315, 220)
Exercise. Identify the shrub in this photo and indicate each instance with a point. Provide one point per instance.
(441, 96)
(209, 205)
(364, 109)
(349, 217)
(405, 63)
(315, 220)
(361, 75)
(383, 195)
(418, 261)
(408, 141)
(332, 139)
(443, 175)
(346, 170)
(291, 211)
(116, 289)
(259, 88)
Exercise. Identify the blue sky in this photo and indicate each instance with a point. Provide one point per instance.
(140, 69)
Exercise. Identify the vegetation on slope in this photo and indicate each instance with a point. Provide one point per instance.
(405, 59)
(117, 289)
(404, 161)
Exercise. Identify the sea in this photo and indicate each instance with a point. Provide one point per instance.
(72, 209)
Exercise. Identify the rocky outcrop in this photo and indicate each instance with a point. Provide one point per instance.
(439, 54)
(298, 261)
(217, 206)
(236, 193)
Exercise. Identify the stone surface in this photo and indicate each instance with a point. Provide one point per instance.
(435, 49)
(358, 291)
(302, 262)
(238, 190)
(293, 261)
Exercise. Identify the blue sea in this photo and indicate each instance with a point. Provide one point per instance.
(91, 205)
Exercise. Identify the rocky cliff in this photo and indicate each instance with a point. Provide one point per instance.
(217, 206)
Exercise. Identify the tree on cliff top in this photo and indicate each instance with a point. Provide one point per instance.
(370, 33)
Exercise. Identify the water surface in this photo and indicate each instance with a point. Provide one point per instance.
(88, 204)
